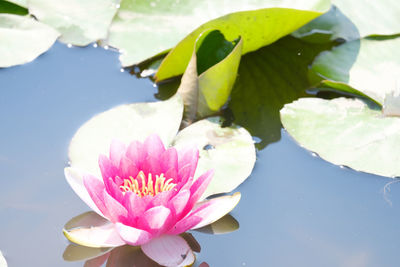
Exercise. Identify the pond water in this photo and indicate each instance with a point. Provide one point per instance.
(296, 209)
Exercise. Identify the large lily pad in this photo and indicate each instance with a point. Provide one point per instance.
(268, 79)
(369, 66)
(14, 31)
(229, 151)
(372, 17)
(3, 262)
(258, 28)
(133, 31)
(333, 25)
(346, 132)
(210, 75)
(125, 123)
(79, 22)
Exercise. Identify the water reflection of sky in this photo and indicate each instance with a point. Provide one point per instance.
(296, 210)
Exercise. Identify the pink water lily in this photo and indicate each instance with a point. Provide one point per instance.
(149, 195)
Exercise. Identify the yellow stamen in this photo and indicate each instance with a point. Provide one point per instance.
(150, 188)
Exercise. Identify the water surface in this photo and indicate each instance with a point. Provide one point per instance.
(296, 209)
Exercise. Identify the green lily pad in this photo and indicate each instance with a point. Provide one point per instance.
(258, 28)
(367, 65)
(132, 30)
(125, 123)
(372, 17)
(14, 31)
(330, 26)
(79, 22)
(267, 79)
(11, 8)
(210, 75)
(229, 151)
(3, 262)
(346, 132)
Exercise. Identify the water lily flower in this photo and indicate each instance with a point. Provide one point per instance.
(148, 195)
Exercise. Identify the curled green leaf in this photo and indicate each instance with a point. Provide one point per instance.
(210, 75)
(133, 33)
(258, 28)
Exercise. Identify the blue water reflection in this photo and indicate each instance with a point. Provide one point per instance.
(296, 209)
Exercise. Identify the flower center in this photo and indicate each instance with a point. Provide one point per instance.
(139, 186)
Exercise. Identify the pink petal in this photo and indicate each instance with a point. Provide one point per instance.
(95, 189)
(154, 146)
(179, 202)
(91, 230)
(117, 150)
(169, 160)
(171, 173)
(132, 235)
(151, 165)
(162, 199)
(136, 153)
(135, 206)
(75, 180)
(184, 173)
(185, 224)
(199, 186)
(170, 251)
(113, 189)
(212, 210)
(156, 217)
(107, 168)
(127, 168)
(188, 156)
(114, 208)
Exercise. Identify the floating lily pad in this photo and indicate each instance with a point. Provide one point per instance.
(10, 8)
(333, 25)
(134, 33)
(346, 132)
(369, 66)
(125, 123)
(14, 31)
(3, 262)
(79, 22)
(267, 79)
(229, 151)
(372, 17)
(210, 75)
(258, 28)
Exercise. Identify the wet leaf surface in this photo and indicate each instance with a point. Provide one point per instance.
(346, 132)
(14, 31)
